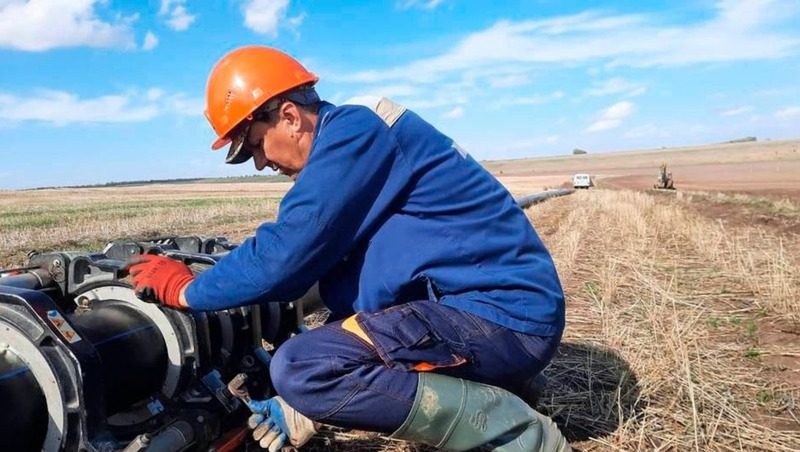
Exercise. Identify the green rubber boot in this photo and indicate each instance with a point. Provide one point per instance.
(454, 414)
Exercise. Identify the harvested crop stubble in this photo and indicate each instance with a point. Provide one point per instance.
(642, 367)
(50, 224)
(643, 364)
(660, 351)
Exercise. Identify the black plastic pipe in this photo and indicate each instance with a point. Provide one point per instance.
(23, 409)
(131, 349)
(529, 200)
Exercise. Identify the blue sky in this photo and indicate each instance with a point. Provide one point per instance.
(93, 91)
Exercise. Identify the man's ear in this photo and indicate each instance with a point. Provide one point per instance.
(290, 115)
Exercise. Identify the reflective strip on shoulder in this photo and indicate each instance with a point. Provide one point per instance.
(388, 111)
(351, 325)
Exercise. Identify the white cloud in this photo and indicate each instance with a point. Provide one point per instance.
(529, 144)
(735, 31)
(154, 94)
(420, 97)
(788, 112)
(444, 99)
(536, 99)
(39, 25)
(423, 4)
(267, 16)
(166, 6)
(61, 108)
(294, 22)
(181, 105)
(393, 91)
(509, 81)
(645, 131)
(150, 41)
(178, 17)
(612, 117)
(455, 113)
(616, 85)
(776, 92)
(736, 111)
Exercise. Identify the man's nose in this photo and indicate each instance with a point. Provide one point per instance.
(256, 164)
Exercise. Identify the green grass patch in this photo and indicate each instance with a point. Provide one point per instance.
(751, 329)
(760, 204)
(592, 288)
(752, 353)
(765, 396)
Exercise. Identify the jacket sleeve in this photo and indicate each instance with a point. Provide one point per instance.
(336, 199)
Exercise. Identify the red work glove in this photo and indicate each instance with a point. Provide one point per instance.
(160, 278)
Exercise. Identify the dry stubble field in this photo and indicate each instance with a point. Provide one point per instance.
(683, 329)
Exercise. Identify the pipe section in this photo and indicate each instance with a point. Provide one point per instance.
(529, 200)
(132, 351)
(23, 408)
(31, 280)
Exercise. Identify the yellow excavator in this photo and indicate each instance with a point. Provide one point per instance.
(664, 181)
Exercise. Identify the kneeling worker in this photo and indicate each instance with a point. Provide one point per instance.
(444, 300)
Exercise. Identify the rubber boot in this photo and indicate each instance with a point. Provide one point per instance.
(533, 389)
(454, 414)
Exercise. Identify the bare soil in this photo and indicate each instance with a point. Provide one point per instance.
(736, 387)
(769, 168)
(779, 179)
(765, 173)
(666, 347)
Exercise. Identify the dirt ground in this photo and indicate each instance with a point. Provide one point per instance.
(732, 324)
(769, 168)
(773, 178)
(735, 185)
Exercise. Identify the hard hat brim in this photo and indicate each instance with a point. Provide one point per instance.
(220, 143)
(237, 154)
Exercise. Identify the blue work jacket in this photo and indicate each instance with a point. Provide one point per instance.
(389, 210)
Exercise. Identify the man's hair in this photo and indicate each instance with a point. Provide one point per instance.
(305, 97)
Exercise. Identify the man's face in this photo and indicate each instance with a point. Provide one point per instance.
(282, 144)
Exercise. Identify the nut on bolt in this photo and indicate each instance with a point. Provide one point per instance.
(237, 387)
(84, 304)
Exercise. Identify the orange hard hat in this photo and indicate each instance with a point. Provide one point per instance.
(243, 80)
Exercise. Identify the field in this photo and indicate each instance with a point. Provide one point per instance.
(683, 326)
(87, 218)
(768, 168)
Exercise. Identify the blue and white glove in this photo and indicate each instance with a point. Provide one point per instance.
(275, 424)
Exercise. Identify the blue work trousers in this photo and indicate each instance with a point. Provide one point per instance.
(336, 377)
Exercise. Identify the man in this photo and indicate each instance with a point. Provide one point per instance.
(443, 299)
